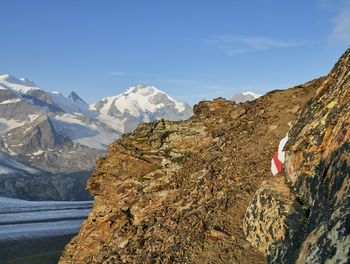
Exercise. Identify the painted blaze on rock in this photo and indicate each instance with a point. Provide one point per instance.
(278, 159)
(317, 168)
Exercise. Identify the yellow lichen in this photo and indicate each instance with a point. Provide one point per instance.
(331, 104)
(323, 121)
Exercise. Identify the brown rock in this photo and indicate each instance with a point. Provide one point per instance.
(246, 245)
(273, 211)
(217, 234)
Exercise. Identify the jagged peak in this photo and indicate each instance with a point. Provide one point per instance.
(27, 81)
(75, 97)
(140, 86)
(142, 89)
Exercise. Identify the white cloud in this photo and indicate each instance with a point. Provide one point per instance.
(118, 73)
(135, 74)
(329, 4)
(341, 31)
(157, 78)
(233, 45)
(146, 75)
(176, 81)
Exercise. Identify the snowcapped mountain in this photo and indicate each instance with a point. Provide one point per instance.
(139, 104)
(59, 134)
(245, 96)
(22, 85)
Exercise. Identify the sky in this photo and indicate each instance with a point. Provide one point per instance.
(191, 49)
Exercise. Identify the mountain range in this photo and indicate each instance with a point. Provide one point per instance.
(46, 135)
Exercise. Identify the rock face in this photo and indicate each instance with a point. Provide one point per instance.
(273, 211)
(306, 218)
(40, 145)
(177, 192)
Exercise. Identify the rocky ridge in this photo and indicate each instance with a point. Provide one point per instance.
(177, 192)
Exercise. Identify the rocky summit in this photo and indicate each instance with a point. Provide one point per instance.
(201, 190)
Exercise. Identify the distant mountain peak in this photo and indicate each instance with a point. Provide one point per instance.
(141, 89)
(5, 76)
(140, 86)
(75, 97)
(28, 82)
(245, 96)
(21, 81)
(139, 104)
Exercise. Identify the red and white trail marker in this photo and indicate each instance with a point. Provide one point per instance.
(278, 159)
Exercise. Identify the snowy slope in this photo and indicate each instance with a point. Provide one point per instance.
(67, 105)
(10, 167)
(21, 85)
(25, 90)
(139, 99)
(83, 130)
(72, 104)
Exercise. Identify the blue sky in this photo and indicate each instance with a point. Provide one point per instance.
(192, 49)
